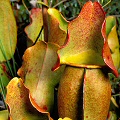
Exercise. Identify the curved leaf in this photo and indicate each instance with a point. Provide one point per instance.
(8, 31)
(85, 43)
(37, 73)
(35, 26)
(113, 41)
(19, 104)
(106, 52)
(114, 46)
(57, 27)
(114, 102)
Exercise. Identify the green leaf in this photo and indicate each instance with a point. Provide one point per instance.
(35, 26)
(8, 31)
(57, 27)
(85, 41)
(110, 23)
(4, 115)
(36, 71)
(19, 104)
(4, 79)
(112, 116)
(114, 102)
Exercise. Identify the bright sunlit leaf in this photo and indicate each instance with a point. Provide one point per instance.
(57, 27)
(110, 23)
(66, 118)
(8, 31)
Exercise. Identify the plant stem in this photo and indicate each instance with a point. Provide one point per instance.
(116, 95)
(45, 20)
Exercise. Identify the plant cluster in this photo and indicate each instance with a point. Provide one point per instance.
(55, 67)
